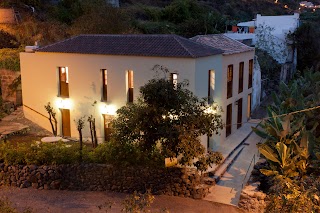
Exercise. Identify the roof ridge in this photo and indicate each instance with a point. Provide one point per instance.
(183, 46)
(237, 41)
(59, 42)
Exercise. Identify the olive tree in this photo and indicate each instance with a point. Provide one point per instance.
(171, 118)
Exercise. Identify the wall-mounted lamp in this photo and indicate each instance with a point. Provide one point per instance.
(64, 103)
(108, 109)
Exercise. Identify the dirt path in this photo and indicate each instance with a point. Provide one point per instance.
(54, 201)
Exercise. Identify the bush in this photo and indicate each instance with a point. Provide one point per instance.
(39, 153)
(9, 59)
(61, 153)
(297, 196)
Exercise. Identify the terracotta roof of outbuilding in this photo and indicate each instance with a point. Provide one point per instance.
(133, 45)
(222, 42)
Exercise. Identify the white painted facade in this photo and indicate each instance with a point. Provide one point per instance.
(271, 35)
(220, 95)
(40, 83)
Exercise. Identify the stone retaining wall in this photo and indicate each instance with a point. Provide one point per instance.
(100, 177)
(6, 78)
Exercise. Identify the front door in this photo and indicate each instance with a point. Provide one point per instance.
(239, 118)
(229, 120)
(65, 114)
(107, 127)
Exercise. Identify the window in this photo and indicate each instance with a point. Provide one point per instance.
(229, 81)
(130, 86)
(174, 80)
(250, 73)
(63, 82)
(229, 120)
(241, 67)
(239, 116)
(211, 85)
(104, 96)
(107, 127)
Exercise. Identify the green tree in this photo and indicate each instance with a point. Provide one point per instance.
(169, 117)
(306, 40)
(98, 17)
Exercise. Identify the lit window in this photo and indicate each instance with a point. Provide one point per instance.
(130, 86)
(63, 82)
(174, 79)
(211, 85)
(104, 85)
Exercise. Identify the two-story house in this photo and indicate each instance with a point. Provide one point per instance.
(232, 88)
(110, 69)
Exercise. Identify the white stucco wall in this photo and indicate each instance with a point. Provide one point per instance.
(256, 84)
(40, 82)
(271, 35)
(233, 59)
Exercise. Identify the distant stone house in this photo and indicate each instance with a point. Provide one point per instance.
(233, 88)
(110, 69)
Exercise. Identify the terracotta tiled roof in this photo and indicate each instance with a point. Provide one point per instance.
(222, 42)
(134, 45)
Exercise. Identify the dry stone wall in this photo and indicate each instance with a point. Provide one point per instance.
(7, 77)
(99, 177)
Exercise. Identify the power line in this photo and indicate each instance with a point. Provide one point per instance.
(277, 116)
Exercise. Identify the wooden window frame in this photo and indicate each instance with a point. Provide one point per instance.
(241, 71)
(174, 80)
(250, 73)
(229, 120)
(63, 82)
(239, 113)
(130, 86)
(104, 76)
(211, 85)
(229, 81)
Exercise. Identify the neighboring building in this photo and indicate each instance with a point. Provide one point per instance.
(270, 34)
(231, 88)
(109, 69)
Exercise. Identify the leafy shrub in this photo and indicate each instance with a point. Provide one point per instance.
(297, 196)
(61, 153)
(9, 59)
(39, 153)
(126, 154)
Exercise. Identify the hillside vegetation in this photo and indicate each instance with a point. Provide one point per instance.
(46, 22)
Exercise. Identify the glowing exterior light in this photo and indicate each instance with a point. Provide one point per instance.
(64, 103)
(212, 109)
(108, 109)
(286, 6)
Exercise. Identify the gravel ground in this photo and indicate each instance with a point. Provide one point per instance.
(55, 201)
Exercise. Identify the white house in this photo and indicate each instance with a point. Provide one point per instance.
(233, 87)
(270, 34)
(110, 69)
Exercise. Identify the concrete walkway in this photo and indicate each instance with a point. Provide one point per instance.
(235, 139)
(8, 126)
(228, 189)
